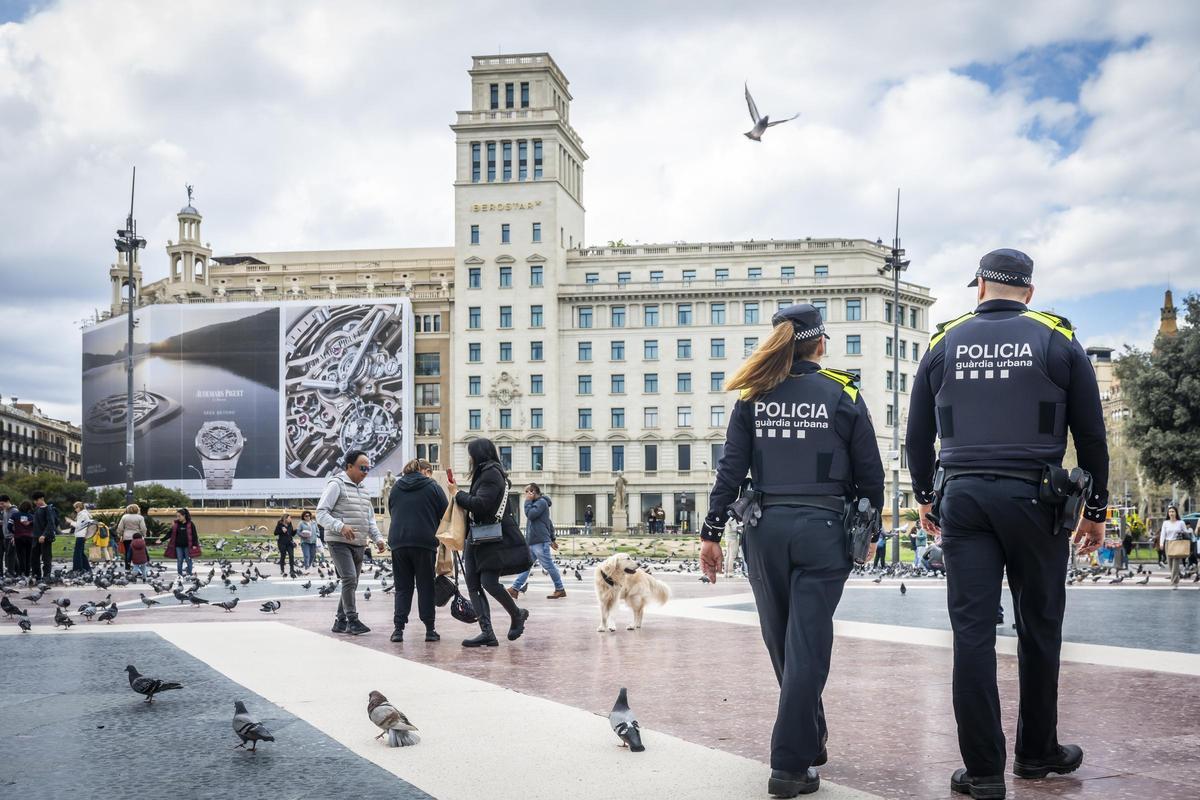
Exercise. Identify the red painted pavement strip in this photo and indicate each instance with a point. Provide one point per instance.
(888, 705)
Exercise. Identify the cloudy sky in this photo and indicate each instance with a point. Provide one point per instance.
(1070, 130)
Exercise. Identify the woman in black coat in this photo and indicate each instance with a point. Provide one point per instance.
(484, 564)
(285, 537)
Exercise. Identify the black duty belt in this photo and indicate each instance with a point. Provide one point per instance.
(822, 501)
(1030, 475)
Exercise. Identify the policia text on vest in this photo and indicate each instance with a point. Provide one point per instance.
(804, 436)
(1001, 387)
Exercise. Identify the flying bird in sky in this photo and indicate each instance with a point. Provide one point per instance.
(761, 123)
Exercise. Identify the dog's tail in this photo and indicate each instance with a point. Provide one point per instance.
(659, 591)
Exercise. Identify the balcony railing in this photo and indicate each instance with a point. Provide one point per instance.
(800, 245)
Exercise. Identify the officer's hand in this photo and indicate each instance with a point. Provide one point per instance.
(712, 559)
(926, 522)
(1089, 536)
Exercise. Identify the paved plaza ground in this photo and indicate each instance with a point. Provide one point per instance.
(527, 719)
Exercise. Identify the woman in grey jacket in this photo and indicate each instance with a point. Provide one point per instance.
(539, 532)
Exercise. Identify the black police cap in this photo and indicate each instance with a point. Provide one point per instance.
(1005, 266)
(805, 318)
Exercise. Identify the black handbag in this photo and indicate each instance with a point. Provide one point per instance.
(444, 590)
(461, 608)
(492, 532)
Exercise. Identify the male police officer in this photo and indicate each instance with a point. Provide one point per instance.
(804, 435)
(1001, 386)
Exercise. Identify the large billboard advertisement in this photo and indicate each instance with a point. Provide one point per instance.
(250, 400)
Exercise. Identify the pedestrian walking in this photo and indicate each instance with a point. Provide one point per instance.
(804, 435)
(285, 539)
(45, 531)
(347, 514)
(139, 556)
(131, 522)
(880, 550)
(1001, 386)
(309, 540)
(22, 529)
(415, 504)
(539, 533)
(1176, 541)
(83, 526)
(8, 553)
(183, 541)
(589, 517)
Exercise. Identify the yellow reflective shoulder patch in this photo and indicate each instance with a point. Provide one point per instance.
(1050, 321)
(946, 326)
(844, 378)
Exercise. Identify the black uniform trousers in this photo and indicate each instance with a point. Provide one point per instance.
(798, 567)
(413, 566)
(990, 524)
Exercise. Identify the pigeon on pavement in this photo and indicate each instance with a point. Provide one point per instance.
(24, 624)
(196, 601)
(148, 686)
(62, 619)
(903, 588)
(248, 728)
(391, 720)
(228, 605)
(761, 123)
(270, 607)
(147, 601)
(109, 614)
(625, 724)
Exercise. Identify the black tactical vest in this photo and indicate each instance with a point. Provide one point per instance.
(796, 448)
(997, 401)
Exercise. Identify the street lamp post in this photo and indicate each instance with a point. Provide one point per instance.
(896, 264)
(201, 474)
(129, 243)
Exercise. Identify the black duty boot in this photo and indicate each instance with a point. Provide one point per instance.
(985, 787)
(790, 784)
(1068, 759)
(397, 635)
(354, 627)
(518, 628)
(432, 636)
(486, 637)
(339, 625)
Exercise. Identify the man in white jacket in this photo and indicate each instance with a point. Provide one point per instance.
(347, 513)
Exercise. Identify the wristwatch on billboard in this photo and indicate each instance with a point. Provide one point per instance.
(219, 443)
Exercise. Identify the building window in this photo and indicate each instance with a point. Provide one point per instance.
(537, 158)
(428, 365)
(506, 351)
(650, 457)
(912, 317)
(716, 416)
(591, 278)
(656, 276)
(787, 273)
(585, 419)
(535, 276)
(474, 419)
(618, 418)
(716, 381)
(716, 313)
(903, 349)
(474, 352)
(584, 384)
(535, 418)
(506, 152)
(429, 423)
(650, 350)
(474, 317)
(823, 307)
(683, 348)
(684, 313)
(536, 458)
(536, 234)
(890, 380)
(495, 95)
(853, 310)
(429, 394)
(750, 313)
(820, 272)
(887, 312)
(505, 234)
(854, 345)
(915, 356)
(650, 383)
(474, 278)
(536, 384)
(717, 452)
(716, 348)
(904, 381)
(683, 416)
(536, 351)
(491, 161)
(618, 456)
(585, 458)
(522, 160)
(651, 316)
(535, 316)
(900, 314)
(506, 277)
(506, 457)
(475, 162)
(585, 316)
(783, 303)
(618, 384)
(474, 385)
(689, 275)
(888, 343)
(618, 316)
(508, 95)
(891, 415)
(650, 417)
(617, 352)
(585, 351)
(722, 273)
(754, 273)
(506, 419)
(683, 382)
(623, 278)
(524, 94)
(684, 457)
(748, 345)
(474, 234)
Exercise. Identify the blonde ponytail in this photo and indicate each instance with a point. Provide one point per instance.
(769, 364)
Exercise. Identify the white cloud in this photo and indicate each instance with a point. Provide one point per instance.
(313, 124)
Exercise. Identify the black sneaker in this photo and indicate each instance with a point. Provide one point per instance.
(989, 787)
(339, 625)
(1068, 759)
(790, 784)
(354, 627)
(518, 628)
(397, 635)
(432, 636)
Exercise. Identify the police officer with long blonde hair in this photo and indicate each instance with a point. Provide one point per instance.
(804, 435)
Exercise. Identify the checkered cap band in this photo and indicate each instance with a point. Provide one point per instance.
(810, 333)
(1004, 277)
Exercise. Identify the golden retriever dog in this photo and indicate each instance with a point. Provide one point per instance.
(620, 578)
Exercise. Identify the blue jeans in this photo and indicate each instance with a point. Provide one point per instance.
(309, 551)
(79, 561)
(542, 554)
(181, 554)
(142, 569)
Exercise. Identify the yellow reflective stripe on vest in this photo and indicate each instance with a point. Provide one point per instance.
(946, 326)
(846, 382)
(1051, 322)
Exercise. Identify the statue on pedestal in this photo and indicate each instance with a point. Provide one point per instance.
(619, 494)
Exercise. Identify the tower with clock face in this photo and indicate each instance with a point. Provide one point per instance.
(518, 211)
